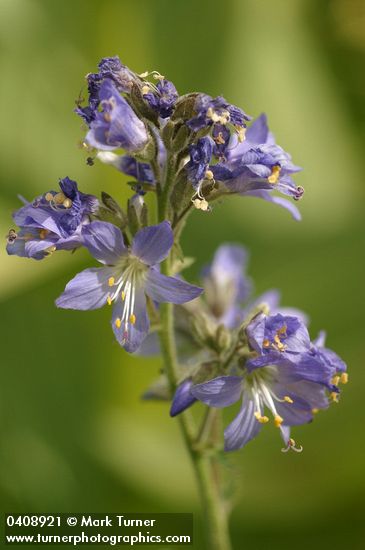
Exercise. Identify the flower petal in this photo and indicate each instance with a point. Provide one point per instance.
(88, 290)
(104, 241)
(182, 398)
(152, 244)
(130, 336)
(243, 428)
(258, 132)
(219, 392)
(169, 289)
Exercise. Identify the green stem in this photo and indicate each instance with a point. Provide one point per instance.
(205, 466)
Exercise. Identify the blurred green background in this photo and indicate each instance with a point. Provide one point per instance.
(75, 435)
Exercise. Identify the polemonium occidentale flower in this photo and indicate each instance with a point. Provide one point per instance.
(128, 276)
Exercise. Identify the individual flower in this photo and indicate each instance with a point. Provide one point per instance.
(113, 69)
(53, 221)
(128, 277)
(117, 125)
(162, 97)
(258, 166)
(211, 111)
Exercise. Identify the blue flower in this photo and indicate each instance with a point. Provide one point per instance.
(112, 68)
(161, 98)
(126, 279)
(257, 166)
(52, 222)
(117, 125)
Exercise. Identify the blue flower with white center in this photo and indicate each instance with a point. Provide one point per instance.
(128, 277)
(258, 166)
(117, 125)
(112, 68)
(162, 97)
(52, 222)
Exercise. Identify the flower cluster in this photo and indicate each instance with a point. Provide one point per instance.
(187, 151)
(266, 359)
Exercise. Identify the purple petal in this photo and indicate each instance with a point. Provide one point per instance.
(169, 289)
(263, 194)
(182, 398)
(152, 244)
(258, 132)
(104, 241)
(243, 428)
(131, 336)
(88, 290)
(256, 332)
(219, 392)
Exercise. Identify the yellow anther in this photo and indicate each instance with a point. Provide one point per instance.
(261, 419)
(266, 343)
(107, 117)
(209, 175)
(109, 301)
(111, 281)
(118, 322)
(132, 319)
(315, 411)
(288, 399)
(278, 420)
(59, 198)
(334, 397)
(48, 197)
(145, 89)
(123, 295)
(282, 330)
(50, 250)
(201, 204)
(344, 378)
(219, 139)
(241, 134)
(43, 233)
(275, 173)
(277, 339)
(335, 380)
(67, 203)
(291, 442)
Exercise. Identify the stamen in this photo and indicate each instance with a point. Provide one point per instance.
(275, 173)
(219, 139)
(118, 322)
(48, 197)
(315, 411)
(335, 380)
(261, 419)
(132, 319)
(145, 89)
(278, 420)
(201, 204)
(344, 378)
(43, 233)
(288, 399)
(241, 133)
(109, 301)
(266, 343)
(67, 203)
(123, 295)
(209, 175)
(334, 397)
(292, 446)
(50, 250)
(111, 281)
(59, 198)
